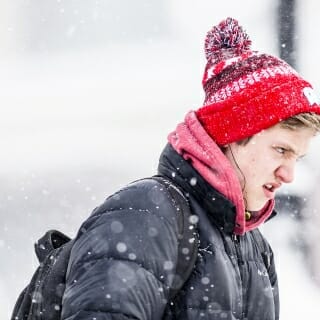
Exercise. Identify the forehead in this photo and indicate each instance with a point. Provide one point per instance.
(298, 139)
(281, 131)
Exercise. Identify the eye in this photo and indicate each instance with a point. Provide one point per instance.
(280, 150)
(301, 158)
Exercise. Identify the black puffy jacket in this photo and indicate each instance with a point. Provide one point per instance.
(122, 262)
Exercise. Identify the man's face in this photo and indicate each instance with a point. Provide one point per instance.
(267, 161)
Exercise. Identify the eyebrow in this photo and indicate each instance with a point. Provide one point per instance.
(291, 150)
(296, 153)
(302, 156)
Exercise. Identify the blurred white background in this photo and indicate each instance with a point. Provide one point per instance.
(90, 90)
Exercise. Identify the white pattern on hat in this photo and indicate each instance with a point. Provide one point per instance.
(250, 79)
(311, 95)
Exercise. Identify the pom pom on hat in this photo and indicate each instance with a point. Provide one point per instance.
(226, 35)
(247, 91)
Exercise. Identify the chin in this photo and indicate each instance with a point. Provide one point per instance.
(256, 206)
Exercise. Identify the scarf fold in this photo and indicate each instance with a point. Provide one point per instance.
(192, 142)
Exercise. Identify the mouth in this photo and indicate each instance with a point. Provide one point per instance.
(270, 189)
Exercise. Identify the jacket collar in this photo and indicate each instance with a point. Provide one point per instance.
(220, 210)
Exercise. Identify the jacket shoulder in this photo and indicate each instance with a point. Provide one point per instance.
(145, 195)
(128, 245)
(143, 212)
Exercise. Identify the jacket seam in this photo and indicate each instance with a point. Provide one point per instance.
(110, 312)
(124, 260)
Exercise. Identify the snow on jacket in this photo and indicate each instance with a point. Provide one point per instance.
(125, 255)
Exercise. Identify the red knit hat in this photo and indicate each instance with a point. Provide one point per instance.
(247, 91)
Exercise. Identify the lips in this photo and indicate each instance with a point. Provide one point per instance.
(270, 189)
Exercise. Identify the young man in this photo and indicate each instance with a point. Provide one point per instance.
(228, 158)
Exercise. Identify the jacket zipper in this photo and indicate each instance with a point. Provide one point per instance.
(236, 242)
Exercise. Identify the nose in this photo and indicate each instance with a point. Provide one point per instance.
(285, 173)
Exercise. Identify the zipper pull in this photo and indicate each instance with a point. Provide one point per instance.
(235, 238)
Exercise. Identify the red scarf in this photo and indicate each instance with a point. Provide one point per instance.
(192, 142)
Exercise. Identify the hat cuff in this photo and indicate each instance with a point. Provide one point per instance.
(233, 120)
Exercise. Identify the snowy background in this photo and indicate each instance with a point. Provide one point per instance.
(90, 90)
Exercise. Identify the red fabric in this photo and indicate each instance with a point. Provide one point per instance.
(247, 91)
(247, 113)
(192, 142)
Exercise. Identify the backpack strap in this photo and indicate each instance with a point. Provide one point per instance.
(52, 239)
(53, 251)
(42, 297)
(188, 236)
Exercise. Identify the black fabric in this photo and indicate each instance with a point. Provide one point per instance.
(187, 237)
(173, 166)
(235, 276)
(124, 261)
(125, 257)
(50, 241)
(42, 298)
(128, 275)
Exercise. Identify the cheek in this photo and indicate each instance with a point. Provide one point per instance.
(248, 172)
(249, 164)
(261, 163)
(255, 169)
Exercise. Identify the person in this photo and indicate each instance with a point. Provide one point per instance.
(228, 158)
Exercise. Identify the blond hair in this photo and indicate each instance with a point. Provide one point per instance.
(302, 120)
(309, 120)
